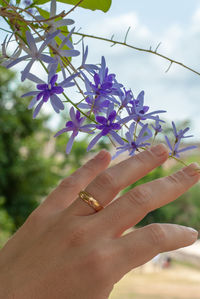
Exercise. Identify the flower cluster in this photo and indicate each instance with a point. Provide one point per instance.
(178, 136)
(106, 107)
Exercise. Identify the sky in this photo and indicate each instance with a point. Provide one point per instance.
(176, 24)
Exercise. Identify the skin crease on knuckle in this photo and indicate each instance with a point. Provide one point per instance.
(140, 197)
(105, 181)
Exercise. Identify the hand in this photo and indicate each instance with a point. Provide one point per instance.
(67, 250)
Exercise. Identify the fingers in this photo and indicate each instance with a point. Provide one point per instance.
(141, 245)
(108, 184)
(130, 208)
(68, 189)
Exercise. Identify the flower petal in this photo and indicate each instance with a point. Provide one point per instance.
(62, 131)
(55, 99)
(53, 80)
(32, 103)
(70, 143)
(168, 143)
(47, 58)
(72, 114)
(31, 41)
(101, 119)
(94, 141)
(17, 61)
(35, 79)
(48, 39)
(27, 69)
(112, 115)
(37, 109)
(116, 137)
(30, 93)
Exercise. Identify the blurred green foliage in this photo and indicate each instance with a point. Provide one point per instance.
(26, 173)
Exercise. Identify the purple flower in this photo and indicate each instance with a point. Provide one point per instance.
(134, 143)
(157, 127)
(34, 53)
(75, 125)
(62, 53)
(125, 98)
(137, 111)
(48, 91)
(105, 84)
(90, 68)
(54, 23)
(107, 125)
(180, 134)
(95, 104)
(175, 151)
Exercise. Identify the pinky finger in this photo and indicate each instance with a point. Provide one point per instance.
(141, 245)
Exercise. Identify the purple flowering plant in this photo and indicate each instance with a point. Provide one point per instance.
(106, 107)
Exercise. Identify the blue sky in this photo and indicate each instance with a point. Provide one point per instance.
(174, 23)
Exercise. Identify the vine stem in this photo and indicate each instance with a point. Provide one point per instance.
(154, 52)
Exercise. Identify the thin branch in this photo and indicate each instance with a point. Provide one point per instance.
(127, 32)
(6, 30)
(73, 8)
(115, 42)
(169, 67)
(156, 49)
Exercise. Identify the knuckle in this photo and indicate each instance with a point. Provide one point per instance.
(105, 180)
(157, 235)
(174, 179)
(69, 183)
(88, 168)
(140, 196)
(142, 158)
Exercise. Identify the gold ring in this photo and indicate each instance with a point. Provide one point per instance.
(90, 200)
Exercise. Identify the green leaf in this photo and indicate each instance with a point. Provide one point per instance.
(45, 14)
(2, 3)
(103, 5)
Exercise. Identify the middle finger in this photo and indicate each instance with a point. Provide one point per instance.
(107, 185)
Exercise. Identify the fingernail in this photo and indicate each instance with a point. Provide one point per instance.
(159, 149)
(192, 170)
(192, 230)
(102, 154)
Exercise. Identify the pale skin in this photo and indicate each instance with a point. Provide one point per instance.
(67, 250)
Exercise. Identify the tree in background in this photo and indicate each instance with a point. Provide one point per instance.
(26, 173)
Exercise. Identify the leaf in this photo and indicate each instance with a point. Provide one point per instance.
(45, 14)
(2, 3)
(103, 5)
